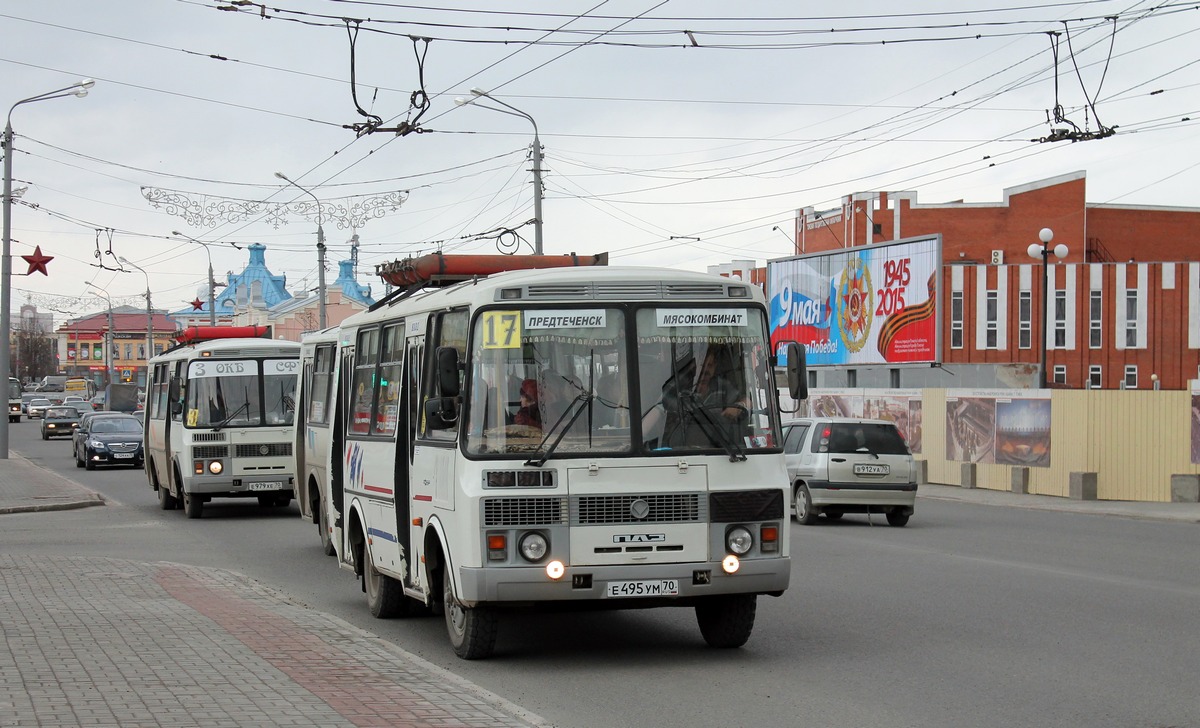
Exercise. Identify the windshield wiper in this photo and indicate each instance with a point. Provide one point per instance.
(243, 406)
(586, 399)
(712, 429)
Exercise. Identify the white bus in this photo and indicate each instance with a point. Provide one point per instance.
(318, 351)
(14, 399)
(541, 436)
(220, 418)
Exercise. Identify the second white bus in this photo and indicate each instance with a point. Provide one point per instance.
(220, 419)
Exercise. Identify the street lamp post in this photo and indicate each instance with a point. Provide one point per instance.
(108, 336)
(212, 284)
(1044, 251)
(320, 249)
(537, 157)
(78, 89)
(149, 317)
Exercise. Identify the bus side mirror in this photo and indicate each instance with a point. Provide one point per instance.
(447, 371)
(797, 371)
(176, 407)
(173, 390)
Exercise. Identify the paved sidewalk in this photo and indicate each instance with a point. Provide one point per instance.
(88, 641)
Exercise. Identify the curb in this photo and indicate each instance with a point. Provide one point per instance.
(94, 500)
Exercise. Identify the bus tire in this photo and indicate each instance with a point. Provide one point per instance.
(385, 596)
(472, 630)
(323, 524)
(727, 621)
(193, 505)
(166, 501)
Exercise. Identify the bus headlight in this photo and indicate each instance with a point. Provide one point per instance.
(533, 547)
(215, 467)
(739, 540)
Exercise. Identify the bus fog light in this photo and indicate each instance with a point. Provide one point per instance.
(739, 540)
(215, 467)
(555, 570)
(730, 564)
(533, 547)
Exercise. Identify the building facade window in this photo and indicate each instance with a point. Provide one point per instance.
(1060, 374)
(956, 320)
(1095, 316)
(1095, 379)
(1025, 320)
(1060, 319)
(1131, 310)
(1130, 380)
(991, 321)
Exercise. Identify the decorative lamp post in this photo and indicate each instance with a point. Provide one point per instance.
(78, 89)
(1044, 251)
(149, 318)
(320, 249)
(537, 157)
(108, 336)
(212, 284)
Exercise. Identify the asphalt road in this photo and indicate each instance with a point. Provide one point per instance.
(970, 616)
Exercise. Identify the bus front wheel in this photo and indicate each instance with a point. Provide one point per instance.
(193, 505)
(472, 630)
(727, 621)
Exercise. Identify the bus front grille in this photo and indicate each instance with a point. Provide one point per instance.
(747, 505)
(593, 510)
(263, 450)
(524, 511)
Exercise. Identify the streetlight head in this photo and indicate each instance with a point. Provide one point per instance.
(460, 101)
(176, 232)
(1046, 235)
(86, 83)
(1035, 251)
(282, 176)
(478, 92)
(122, 260)
(1060, 251)
(80, 92)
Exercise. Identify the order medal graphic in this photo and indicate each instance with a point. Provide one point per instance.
(857, 299)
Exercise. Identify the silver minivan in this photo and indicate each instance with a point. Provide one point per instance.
(841, 465)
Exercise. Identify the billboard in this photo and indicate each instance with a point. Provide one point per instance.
(876, 304)
(901, 406)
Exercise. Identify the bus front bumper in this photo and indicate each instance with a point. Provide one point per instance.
(499, 585)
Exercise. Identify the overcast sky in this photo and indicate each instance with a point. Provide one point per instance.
(675, 133)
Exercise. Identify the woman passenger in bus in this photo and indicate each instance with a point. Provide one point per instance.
(528, 414)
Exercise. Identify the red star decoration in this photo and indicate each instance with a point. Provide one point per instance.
(37, 262)
(197, 304)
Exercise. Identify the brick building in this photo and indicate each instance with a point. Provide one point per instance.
(1123, 305)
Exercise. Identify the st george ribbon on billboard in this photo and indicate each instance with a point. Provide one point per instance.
(875, 304)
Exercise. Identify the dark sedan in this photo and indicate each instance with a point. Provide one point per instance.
(59, 421)
(111, 440)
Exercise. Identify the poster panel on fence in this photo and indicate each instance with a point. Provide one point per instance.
(1003, 427)
(1195, 425)
(902, 406)
(868, 305)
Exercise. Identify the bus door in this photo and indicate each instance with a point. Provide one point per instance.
(343, 376)
(405, 444)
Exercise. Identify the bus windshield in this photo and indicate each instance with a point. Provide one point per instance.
(14, 388)
(583, 380)
(226, 393)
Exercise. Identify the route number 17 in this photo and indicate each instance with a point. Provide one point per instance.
(501, 329)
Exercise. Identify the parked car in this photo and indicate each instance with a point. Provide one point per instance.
(59, 421)
(841, 465)
(79, 403)
(37, 407)
(114, 439)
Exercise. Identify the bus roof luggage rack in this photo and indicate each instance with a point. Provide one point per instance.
(437, 269)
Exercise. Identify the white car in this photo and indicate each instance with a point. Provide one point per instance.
(37, 407)
(840, 465)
